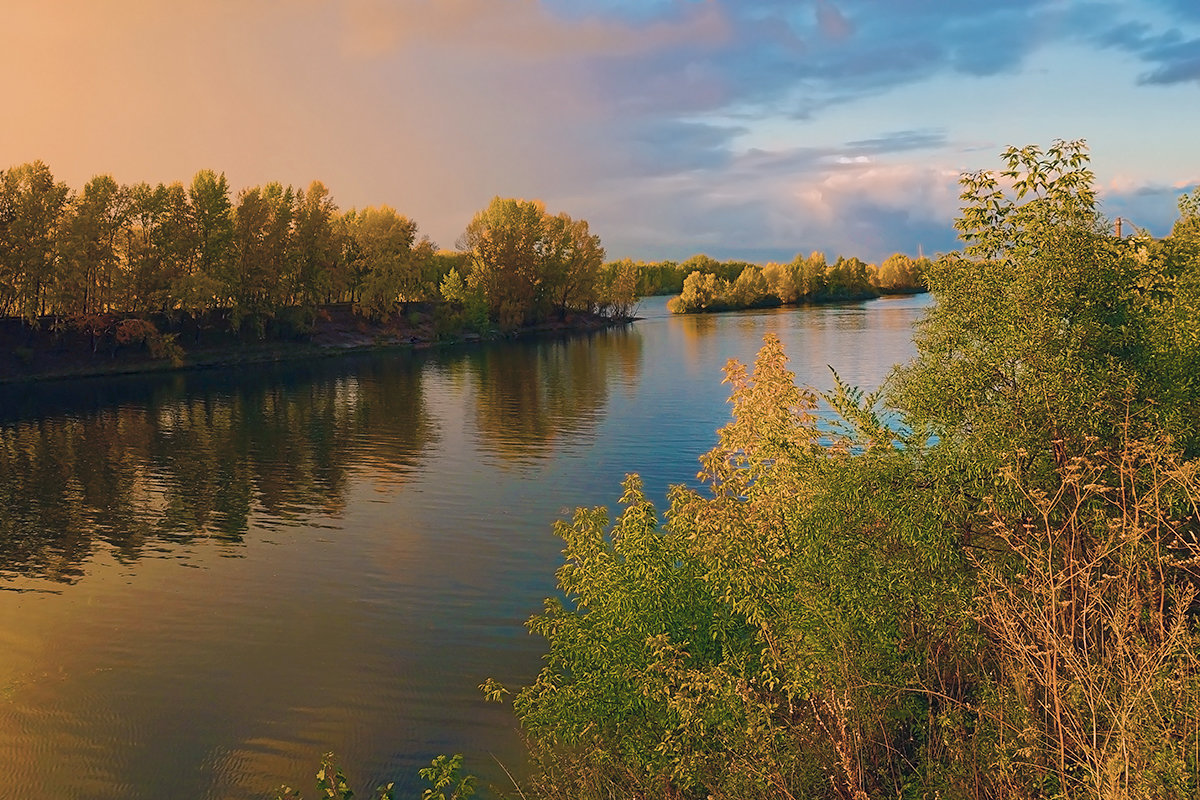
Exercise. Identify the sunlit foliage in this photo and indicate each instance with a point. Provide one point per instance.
(262, 265)
(716, 286)
(993, 594)
(528, 264)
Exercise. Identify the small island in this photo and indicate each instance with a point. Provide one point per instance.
(713, 286)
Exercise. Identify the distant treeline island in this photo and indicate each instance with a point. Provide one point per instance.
(144, 267)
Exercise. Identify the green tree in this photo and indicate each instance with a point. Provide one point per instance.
(1043, 329)
(1040, 372)
(469, 300)
(661, 277)
(571, 257)
(769, 640)
(847, 278)
(391, 260)
(34, 204)
(1173, 287)
(316, 247)
(994, 596)
(528, 263)
(89, 276)
(212, 226)
(700, 262)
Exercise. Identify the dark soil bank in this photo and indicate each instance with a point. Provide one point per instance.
(56, 350)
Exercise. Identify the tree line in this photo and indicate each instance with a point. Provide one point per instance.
(273, 254)
(983, 581)
(802, 280)
(113, 260)
(712, 286)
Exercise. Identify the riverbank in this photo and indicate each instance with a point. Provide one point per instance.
(49, 353)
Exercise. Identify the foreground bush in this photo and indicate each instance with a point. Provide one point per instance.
(994, 596)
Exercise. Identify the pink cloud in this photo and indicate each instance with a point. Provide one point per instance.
(832, 22)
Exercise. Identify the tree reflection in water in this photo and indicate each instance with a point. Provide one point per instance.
(147, 463)
(530, 395)
(141, 465)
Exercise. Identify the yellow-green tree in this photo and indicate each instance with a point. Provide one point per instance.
(571, 261)
(89, 277)
(33, 204)
(618, 291)
(811, 274)
(750, 289)
(505, 242)
(264, 253)
(390, 260)
(899, 273)
(212, 225)
(781, 282)
(702, 291)
(159, 247)
(528, 263)
(316, 247)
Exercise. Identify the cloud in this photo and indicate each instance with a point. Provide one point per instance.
(1187, 9)
(1176, 63)
(770, 205)
(674, 146)
(801, 58)
(1172, 55)
(832, 22)
(899, 141)
(633, 114)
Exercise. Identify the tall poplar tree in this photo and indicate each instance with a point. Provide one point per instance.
(212, 216)
(33, 204)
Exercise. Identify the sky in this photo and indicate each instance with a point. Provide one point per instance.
(748, 129)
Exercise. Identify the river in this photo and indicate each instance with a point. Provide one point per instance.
(209, 579)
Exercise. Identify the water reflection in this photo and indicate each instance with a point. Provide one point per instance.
(531, 395)
(177, 461)
(697, 333)
(391, 520)
(145, 464)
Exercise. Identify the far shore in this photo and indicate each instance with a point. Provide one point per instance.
(43, 354)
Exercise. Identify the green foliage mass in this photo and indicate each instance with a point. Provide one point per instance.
(272, 252)
(716, 286)
(266, 260)
(994, 595)
(527, 264)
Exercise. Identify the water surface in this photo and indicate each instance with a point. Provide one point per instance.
(209, 579)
